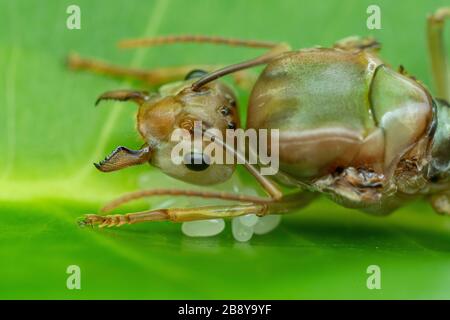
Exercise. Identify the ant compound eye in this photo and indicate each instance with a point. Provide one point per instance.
(196, 73)
(195, 161)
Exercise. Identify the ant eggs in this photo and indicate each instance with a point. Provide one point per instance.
(267, 224)
(240, 231)
(203, 228)
(242, 228)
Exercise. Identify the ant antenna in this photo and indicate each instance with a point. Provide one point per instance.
(264, 59)
(149, 42)
(227, 70)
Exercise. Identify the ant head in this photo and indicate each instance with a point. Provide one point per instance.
(178, 106)
(200, 98)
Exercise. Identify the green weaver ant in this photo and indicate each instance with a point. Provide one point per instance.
(352, 128)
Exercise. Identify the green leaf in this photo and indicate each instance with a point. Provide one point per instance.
(50, 134)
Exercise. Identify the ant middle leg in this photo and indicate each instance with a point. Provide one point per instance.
(436, 47)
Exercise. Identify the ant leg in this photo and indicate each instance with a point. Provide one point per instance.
(216, 40)
(172, 214)
(436, 47)
(297, 200)
(185, 193)
(154, 77)
(242, 79)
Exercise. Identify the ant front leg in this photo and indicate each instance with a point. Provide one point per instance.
(296, 200)
(174, 214)
(436, 46)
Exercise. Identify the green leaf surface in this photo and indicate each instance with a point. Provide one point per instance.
(50, 134)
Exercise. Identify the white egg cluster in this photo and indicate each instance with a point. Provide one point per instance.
(203, 228)
(242, 227)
